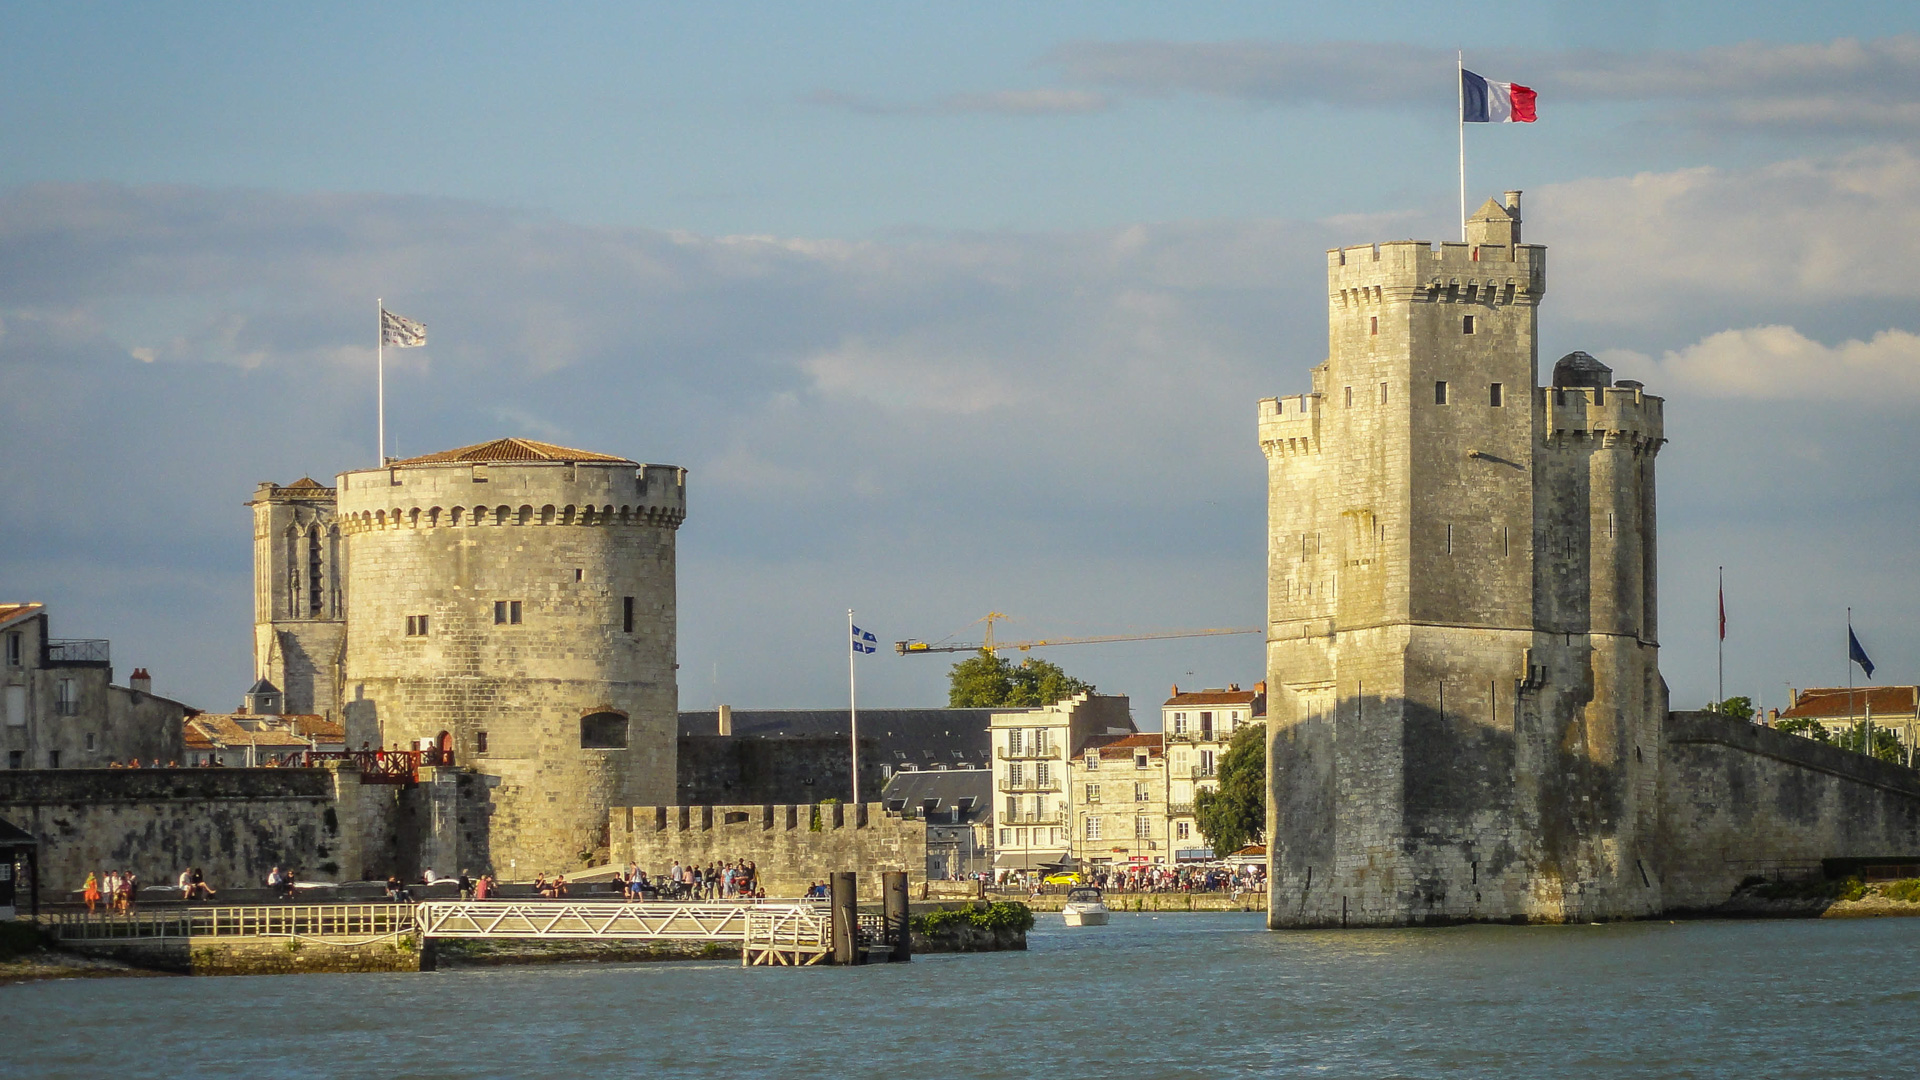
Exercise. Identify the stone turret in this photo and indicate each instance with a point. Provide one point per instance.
(299, 594)
(515, 600)
(1462, 663)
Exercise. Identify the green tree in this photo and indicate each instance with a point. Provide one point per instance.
(1236, 814)
(986, 681)
(1811, 729)
(1740, 708)
(1886, 745)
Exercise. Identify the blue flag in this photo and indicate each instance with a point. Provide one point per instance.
(863, 642)
(1857, 654)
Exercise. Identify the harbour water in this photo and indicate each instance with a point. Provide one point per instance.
(1178, 995)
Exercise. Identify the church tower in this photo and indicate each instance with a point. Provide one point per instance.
(1462, 659)
(299, 595)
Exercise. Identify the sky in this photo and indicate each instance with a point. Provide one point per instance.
(946, 311)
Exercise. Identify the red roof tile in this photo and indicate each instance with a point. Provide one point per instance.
(1124, 747)
(1213, 697)
(10, 612)
(1831, 703)
(510, 450)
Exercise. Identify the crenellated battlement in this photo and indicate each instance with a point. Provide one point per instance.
(1450, 272)
(1290, 425)
(433, 517)
(1615, 415)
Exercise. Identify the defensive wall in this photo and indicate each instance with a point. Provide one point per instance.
(791, 845)
(234, 824)
(781, 769)
(1739, 800)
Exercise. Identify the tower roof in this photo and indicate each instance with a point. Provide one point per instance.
(511, 450)
(305, 483)
(1579, 368)
(1491, 210)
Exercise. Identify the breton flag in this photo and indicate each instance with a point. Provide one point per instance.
(1857, 654)
(1483, 101)
(401, 333)
(863, 642)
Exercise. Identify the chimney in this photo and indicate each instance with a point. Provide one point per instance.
(1233, 687)
(1260, 688)
(140, 681)
(1175, 692)
(726, 719)
(1513, 205)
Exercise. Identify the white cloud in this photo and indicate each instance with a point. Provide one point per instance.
(910, 376)
(1780, 363)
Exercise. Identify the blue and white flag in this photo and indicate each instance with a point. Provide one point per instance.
(1857, 654)
(863, 642)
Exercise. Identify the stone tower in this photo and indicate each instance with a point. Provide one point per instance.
(1462, 657)
(517, 599)
(299, 595)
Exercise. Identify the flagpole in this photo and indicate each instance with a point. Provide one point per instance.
(853, 715)
(1721, 694)
(380, 376)
(1460, 117)
(1849, 669)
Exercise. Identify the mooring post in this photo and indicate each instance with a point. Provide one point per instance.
(893, 890)
(844, 902)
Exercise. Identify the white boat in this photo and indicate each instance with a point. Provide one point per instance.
(1084, 907)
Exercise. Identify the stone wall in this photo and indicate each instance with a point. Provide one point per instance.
(792, 845)
(779, 769)
(1739, 801)
(235, 824)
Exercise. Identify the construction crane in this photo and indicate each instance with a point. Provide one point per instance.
(992, 647)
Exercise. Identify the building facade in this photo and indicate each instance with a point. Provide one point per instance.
(1465, 701)
(299, 593)
(1032, 749)
(1840, 710)
(1118, 802)
(59, 708)
(1198, 726)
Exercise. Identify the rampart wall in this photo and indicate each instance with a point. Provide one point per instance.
(234, 824)
(782, 769)
(1739, 801)
(791, 845)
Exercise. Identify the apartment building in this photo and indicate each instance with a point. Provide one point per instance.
(1198, 725)
(1033, 812)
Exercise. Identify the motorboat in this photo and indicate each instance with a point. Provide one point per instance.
(1085, 907)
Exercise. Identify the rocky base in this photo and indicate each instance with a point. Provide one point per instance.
(961, 938)
(455, 952)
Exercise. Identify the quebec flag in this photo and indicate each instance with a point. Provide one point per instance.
(863, 642)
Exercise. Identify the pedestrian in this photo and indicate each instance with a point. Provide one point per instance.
(91, 893)
(129, 889)
(466, 885)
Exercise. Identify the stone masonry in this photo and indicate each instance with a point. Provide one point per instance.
(1462, 652)
(515, 601)
(792, 846)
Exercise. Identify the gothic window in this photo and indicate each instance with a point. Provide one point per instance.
(314, 592)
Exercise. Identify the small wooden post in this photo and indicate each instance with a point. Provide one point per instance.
(844, 902)
(893, 889)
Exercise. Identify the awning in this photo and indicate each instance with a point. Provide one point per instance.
(1028, 860)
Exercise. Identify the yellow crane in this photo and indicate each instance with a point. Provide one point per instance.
(991, 647)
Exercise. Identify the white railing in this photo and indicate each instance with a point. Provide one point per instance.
(597, 919)
(330, 921)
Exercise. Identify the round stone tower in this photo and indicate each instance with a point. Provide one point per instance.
(516, 599)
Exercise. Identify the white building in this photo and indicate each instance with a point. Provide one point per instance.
(1198, 725)
(1033, 807)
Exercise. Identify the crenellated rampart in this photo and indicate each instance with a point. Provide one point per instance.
(791, 845)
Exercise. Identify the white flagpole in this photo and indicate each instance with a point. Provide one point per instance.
(1460, 115)
(380, 374)
(853, 715)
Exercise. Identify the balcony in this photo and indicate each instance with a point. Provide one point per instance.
(1035, 786)
(1028, 817)
(1180, 809)
(1195, 737)
(1201, 772)
(71, 651)
(1038, 753)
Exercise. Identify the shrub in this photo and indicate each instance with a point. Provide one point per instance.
(999, 915)
(1907, 890)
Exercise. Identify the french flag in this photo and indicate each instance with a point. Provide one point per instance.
(1483, 101)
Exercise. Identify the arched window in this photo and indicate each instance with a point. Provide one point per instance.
(315, 594)
(603, 731)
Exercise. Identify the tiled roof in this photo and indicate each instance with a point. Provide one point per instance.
(944, 790)
(1213, 697)
(1830, 703)
(221, 730)
(306, 483)
(10, 612)
(1124, 747)
(511, 450)
(316, 726)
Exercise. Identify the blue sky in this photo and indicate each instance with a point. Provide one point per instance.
(945, 310)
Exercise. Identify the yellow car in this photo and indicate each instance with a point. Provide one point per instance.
(1061, 879)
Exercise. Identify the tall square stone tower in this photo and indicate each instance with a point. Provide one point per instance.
(1462, 658)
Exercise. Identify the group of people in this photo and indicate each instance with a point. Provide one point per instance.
(280, 882)
(1152, 879)
(115, 892)
(739, 879)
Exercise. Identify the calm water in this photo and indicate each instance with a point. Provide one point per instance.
(1174, 996)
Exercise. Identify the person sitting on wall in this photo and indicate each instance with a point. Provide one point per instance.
(560, 890)
(397, 892)
(197, 886)
(541, 888)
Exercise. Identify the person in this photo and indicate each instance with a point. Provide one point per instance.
(483, 889)
(110, 890)
(197, 884)
(466, 884)
(397, 892)
(90, 892)
(273, 881)
(129, 887)
(560, 887)
(540, 886)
